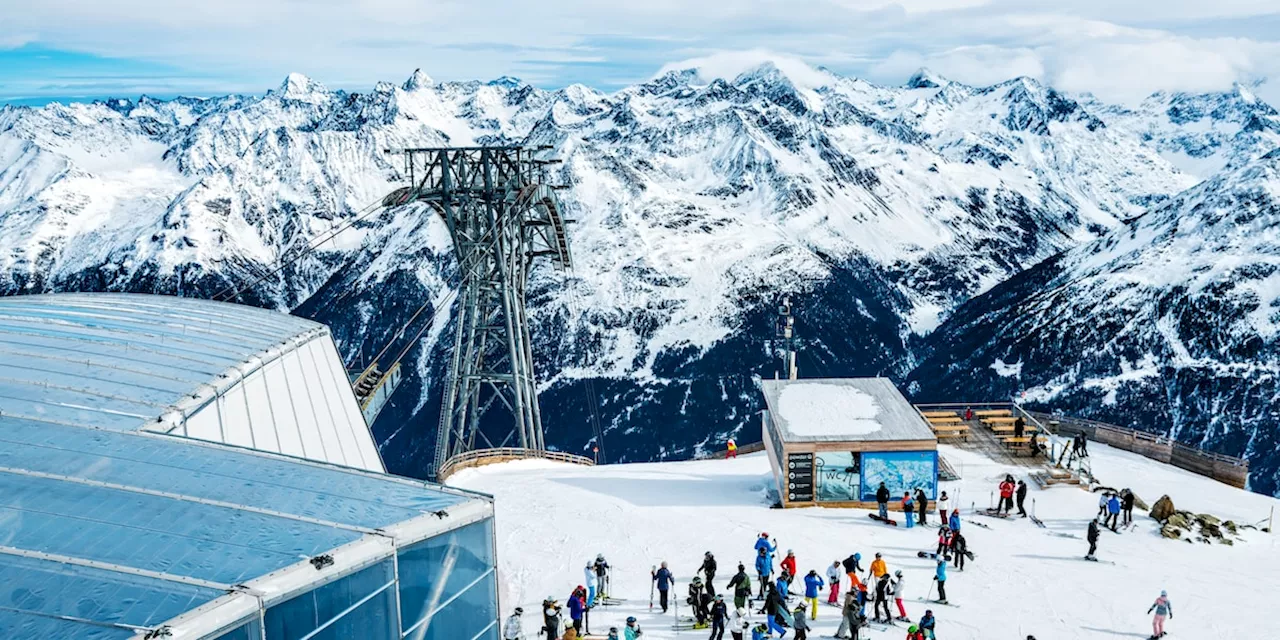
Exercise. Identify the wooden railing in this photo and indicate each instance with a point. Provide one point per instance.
(482, 457)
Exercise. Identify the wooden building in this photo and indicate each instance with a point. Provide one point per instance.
(831, 442)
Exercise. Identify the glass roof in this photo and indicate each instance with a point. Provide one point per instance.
(103, 532)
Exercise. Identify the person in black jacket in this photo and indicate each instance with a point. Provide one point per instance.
(719, 618)
(882, 499)
(1093, 539)
(922, 505)
(1126, 505)
(740, 585)
(708, 569)
(773, 606)
(1022, 496)
(695, 600)
(882, 600)
(959, 549)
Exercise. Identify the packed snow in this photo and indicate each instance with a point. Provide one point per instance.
(553, 518)
(822, 410)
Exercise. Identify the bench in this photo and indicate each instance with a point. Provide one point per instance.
(985, 413)
(947, 420)
(951, 431)
(1000, 420)
(1008, 428)
(939, 414)
(1016, 443)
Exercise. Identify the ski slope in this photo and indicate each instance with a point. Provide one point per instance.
(552, 518)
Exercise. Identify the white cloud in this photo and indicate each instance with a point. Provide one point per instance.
(728, 65)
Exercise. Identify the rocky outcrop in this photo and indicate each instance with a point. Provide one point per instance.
(1162, 509)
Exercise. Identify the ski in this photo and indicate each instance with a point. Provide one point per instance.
(1038, 522)
(992, 513)
(1098, 561)
(945, 604)
(978, 524)
(877, 518)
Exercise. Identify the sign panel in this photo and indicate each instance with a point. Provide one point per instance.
(799, 476)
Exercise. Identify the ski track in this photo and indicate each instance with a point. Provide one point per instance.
(553, 518)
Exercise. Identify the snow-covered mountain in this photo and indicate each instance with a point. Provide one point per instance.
(698, 202)
(1171, 323)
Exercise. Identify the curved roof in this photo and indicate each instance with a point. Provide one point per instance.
(120, 361)
(112, 535)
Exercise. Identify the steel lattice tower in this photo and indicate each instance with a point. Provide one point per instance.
(501, 215)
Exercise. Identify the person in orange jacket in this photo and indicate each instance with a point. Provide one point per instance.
(789, 562)
(1006, 494)
(877, 567)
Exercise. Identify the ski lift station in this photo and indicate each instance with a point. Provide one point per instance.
(831, 442)
(176, 468)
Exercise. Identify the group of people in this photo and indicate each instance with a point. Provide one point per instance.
(1008, 491)
(1113, 505)
(915, 507)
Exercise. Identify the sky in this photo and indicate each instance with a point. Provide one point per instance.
(1120, 50)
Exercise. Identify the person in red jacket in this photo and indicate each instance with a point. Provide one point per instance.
(789, 562)
(1006, 494)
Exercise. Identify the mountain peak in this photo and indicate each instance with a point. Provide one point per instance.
(925, 78)
(417, 81)
(296, 85)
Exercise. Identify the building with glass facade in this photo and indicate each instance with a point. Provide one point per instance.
(110, 532)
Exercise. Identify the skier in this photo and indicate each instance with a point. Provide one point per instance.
(1006, 495)
(849, 621)
(1102, 504)
(708, 569)
(941, 577)
(812, 585)
(1082, 447)
(878, 568)
(664, 579)
(695, 600)
(602, 576)
(914, 633)
(589, 574)
(739, 624)
(613, 634)
(512, 630)
(882, 600)
(1126, 505)
(764, 569)
(789, 563)
(1022, 497)
(944, 540)
(908, 509)
(1092, 537)
(852, 564)
(1113, 510)
(632, 630)
(577, 605)
(833, 583)
(922, 505)
(760, 632)
(732, 451)
(783, 585)
(882, 501)
(719, 617)
(944, 506)
(1163, 608)
(954, 522)
(740, 585)
(773, 605)
(799, 623)
(959, 548)
(551, 618)
(927, 623)
(899, 588)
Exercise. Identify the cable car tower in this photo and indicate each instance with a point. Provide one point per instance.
(502, 216)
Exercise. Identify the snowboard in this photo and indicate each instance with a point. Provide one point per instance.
(932, 556)
(978, 524)
(888, 521)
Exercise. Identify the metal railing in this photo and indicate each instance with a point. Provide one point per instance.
(482, 457)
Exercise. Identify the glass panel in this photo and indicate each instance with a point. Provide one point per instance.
(250, 631)
(899, 471)
(54, 588)
(156, 533)
(839, 475)
(465, 616)
(19, 625)
(301, 615)
(456, 559)
(175, 466)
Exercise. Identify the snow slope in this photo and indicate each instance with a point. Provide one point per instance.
(553, 518)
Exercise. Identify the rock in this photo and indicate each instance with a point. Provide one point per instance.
(1228, 541)
(1230, 526)
(1177, 520)
(1162, 509)
(1204, 518)
(1210, 530)
(1173, 533)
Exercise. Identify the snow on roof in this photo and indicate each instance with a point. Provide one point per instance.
(208, 370)
(842, 409)
(110, 534)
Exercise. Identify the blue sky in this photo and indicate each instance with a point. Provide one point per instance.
(80, 49)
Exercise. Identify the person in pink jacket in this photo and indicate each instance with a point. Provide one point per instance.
(1163, 608)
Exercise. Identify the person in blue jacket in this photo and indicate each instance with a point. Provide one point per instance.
(941, 577)
(812, 584)
(664, 579)
(764, 560)
(770, 548)
(954, 522)
(577, 605)
(1113, 511)
(927, 623)
(784, 585)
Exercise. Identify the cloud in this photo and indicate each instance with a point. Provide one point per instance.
(728, 65)
(1113, 49)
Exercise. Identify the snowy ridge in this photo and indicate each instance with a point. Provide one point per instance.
(1175, 315)
(698, 201)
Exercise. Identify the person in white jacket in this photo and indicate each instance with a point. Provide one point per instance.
(899, 585)
(944, 506)
(739, 623)
(512, 630)
(834, 575)
(589, 574)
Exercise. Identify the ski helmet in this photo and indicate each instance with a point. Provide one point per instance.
(790, 552)
(599, 557)
(631, 619)
(1163, 593)
(941, 560)
(857, 556)
(912, 629)
(519, 611)
(898, 573)
(877, 555)
(764, 534)
(707, 554)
